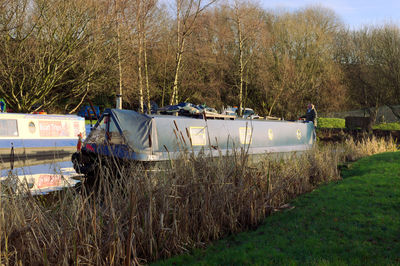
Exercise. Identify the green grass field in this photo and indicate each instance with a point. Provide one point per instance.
(331, 122)
(355, 221)
(388, 126)
(340, 123)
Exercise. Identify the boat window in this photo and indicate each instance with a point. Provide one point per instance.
(8, 128)
(32, 127)
(198, 136)
(270, 134)
(245, 134)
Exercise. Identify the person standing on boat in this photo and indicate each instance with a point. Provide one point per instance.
(2, 106)
(311, 115)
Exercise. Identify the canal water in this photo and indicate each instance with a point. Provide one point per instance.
(40, 178)
(39, 175)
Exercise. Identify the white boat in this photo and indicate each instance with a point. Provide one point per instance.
(126, 135)
(27, 136)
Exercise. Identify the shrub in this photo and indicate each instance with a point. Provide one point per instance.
(152, 213)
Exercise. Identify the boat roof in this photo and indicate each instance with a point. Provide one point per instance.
(39, 116)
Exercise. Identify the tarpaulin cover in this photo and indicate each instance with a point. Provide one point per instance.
(138, 129)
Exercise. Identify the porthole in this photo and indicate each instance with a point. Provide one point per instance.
(298, 134)
(270, 134)
(32, 127)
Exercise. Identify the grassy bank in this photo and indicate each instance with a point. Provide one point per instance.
(331, 122)
(351, 222)
(148, 215)
(340, 123)
(387, 126)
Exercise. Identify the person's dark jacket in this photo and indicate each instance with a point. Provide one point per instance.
(311, 115)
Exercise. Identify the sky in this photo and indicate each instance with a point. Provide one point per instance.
(354, 13)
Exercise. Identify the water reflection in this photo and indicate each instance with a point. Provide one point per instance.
(40, 179)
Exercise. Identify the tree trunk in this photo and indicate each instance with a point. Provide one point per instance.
(82, 99)
(119, 57)
(165, 78)
(147, 77)
(140, 37)
(174, 98)
(241, 66)
(179, 50)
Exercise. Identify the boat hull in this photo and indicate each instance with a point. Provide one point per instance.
(36, 136)
(135, 137)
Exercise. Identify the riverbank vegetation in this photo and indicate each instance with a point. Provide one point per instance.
(331, 122)
(340, 123)
(388, 126)
(151, 214)
(55, 54)
(351, 222)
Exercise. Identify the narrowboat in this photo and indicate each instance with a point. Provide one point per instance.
(25, 136)
(128, 135)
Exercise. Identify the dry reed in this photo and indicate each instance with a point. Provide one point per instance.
(148, 214)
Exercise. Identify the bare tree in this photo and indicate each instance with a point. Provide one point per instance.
(300, 60)
(186, 14)
(246, 17)
(373, 68)
(117, 14)
(42, 51)
(144, 9)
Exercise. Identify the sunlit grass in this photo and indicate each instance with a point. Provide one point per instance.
(331, 122)
(350, 222)
(388, 126)
(340, 123)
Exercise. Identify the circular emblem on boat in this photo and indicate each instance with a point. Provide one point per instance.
(32, 127)
(270, 134)
(298, 134)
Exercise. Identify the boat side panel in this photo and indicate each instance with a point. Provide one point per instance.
(42, 127)
(39, 135)
(224, 134)
(165, 137)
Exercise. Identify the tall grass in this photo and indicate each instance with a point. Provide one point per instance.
(148, 214)
(354, 150)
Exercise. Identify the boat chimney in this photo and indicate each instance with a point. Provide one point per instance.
(119, 101)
